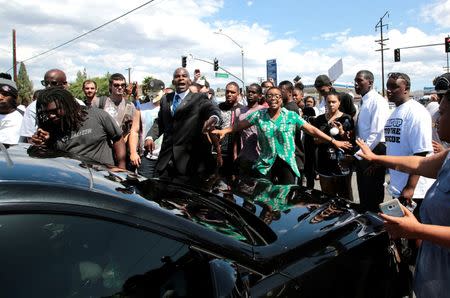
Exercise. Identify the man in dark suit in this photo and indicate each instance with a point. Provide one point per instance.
(184, 118)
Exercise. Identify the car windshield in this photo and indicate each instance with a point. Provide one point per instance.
(207, 210)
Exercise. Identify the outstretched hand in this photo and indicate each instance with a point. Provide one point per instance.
(342, 144)
(365, 151)
(401, 227)
(219, 132)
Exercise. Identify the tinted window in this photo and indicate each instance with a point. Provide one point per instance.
(69, 256)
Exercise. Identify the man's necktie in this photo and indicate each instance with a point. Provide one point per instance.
(175, 103)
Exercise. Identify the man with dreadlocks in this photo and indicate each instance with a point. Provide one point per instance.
(65, 125)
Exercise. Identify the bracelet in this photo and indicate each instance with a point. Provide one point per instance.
(331, 141)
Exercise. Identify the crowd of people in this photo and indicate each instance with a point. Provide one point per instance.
(275, 132)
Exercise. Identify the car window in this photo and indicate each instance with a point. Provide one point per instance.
(46, 255)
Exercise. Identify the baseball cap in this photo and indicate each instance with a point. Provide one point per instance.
(442, 83)
(322, 80)
(8, 86)
(155, 90)
(202, 82)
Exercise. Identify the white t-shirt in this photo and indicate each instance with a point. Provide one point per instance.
(408, 131)
(10, 127)
(29, 127)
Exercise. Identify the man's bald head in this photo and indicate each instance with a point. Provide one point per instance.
(55, 77)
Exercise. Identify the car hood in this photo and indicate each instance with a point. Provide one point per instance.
(305, 221)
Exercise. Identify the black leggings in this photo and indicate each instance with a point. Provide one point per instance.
(281, 173)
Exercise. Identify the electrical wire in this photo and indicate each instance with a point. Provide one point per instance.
(90, 31)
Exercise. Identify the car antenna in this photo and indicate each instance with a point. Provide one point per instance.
(7, 157)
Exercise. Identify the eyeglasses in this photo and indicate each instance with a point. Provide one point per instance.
(53, 83)
(276, 96)
(117, 85)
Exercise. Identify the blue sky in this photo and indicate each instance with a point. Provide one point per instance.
(305, 37)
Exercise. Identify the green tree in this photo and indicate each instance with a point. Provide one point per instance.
(24, 86)
(144, 84)
(76, 87)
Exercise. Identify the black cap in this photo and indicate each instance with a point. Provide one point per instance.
(155, 90)
(442, 83)
(322, 80)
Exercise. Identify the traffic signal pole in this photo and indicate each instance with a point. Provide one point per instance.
(220, 67)
(446, 44)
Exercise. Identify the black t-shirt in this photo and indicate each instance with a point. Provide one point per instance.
(327, 154)
(347, 106)
(94, 137)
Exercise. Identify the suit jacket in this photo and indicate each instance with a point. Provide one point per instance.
(184, 143)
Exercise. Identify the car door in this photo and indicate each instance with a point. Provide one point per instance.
(62, 254)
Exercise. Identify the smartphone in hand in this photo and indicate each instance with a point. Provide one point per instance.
(392, 208)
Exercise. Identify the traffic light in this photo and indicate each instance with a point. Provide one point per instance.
(397, 55)
(183, 61)
(216, 64)
(447, 44)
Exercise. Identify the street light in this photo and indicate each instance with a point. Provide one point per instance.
(242, 55)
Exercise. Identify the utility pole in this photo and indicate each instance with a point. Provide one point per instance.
(14, 55)
(381, 42)
(129, 74)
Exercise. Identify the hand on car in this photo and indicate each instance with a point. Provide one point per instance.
(40, 137)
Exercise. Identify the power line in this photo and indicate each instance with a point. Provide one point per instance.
(90, 31)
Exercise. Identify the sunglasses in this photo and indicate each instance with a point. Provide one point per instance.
(53, 83)
(117, 85)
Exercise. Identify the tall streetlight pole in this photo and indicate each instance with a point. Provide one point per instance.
(242, 55)
(129, 74)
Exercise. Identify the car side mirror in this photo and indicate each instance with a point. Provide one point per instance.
(226, 280)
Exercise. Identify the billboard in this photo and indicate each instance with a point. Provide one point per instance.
(272, 70)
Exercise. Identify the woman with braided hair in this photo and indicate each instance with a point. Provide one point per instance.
(65, 125)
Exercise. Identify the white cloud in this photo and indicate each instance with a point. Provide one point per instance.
(437, 12)
(152, 40)
(332, 35)
(249, 3)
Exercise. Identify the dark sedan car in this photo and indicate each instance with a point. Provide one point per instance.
(72, 228)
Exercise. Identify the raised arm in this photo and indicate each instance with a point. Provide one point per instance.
(243, 124)
(428, 166)
(317, 133)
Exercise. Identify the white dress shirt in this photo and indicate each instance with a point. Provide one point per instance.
(372, 118)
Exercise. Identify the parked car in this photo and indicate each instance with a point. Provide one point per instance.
(73, 228)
